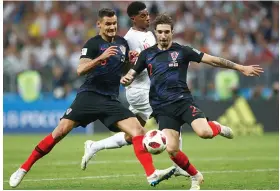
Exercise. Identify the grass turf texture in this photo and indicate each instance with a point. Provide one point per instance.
(246, 162)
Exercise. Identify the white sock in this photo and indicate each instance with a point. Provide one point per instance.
(115, 141)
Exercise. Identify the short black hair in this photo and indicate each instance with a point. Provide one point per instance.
(163, 19)
(106, 12)
(134, 8)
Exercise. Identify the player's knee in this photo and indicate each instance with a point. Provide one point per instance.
(135, 130)
(171, 150)
(139, 130)
(63, 128)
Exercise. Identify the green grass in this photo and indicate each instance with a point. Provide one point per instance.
(249, 163)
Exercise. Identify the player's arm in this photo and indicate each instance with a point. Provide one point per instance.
(137, 69)
(132, 57)
(133, 52)
(86, 64)
(90, 59)
(197, 56)
(252, 70)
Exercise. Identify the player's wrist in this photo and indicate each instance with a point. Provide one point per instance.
(99, 59)
(239, 67)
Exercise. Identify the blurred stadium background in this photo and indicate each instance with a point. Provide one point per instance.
(43, 40)
(42, 43)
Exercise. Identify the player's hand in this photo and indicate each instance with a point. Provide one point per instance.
(111, 51)
(252, 70)
(127, 79)
(133, 55)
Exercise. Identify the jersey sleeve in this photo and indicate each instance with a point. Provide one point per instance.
(140, 63)
(90, 49)
(192, 54)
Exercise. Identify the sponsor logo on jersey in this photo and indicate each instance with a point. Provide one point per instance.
(84, 51)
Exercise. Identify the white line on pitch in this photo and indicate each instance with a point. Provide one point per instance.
(61, 163)
(131, 175)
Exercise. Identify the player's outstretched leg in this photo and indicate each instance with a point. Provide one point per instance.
(132, 127)
(92, 147)
(209, 129)
(43, 148)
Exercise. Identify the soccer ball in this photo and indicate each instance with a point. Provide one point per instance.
(154, 142)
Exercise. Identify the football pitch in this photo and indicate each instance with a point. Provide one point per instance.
(246, 162)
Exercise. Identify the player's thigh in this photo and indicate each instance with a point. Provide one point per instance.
(118, 118)
(169, 122)
(131, 126)
(197, 120)
(83, 110)
(191, 113)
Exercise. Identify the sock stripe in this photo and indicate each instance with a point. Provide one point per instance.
(40, 150)
(187, 165)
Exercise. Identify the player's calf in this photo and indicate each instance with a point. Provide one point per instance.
(203, 129)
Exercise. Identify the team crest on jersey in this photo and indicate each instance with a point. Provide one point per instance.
(123, 49)
(174, 55)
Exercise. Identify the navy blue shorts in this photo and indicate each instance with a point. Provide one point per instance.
(174, 115)
(90, 106)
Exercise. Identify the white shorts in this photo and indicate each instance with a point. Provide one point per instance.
(138, 100)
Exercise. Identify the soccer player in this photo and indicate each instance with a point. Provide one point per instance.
(102, 60)
(137, 94)
(171, 100)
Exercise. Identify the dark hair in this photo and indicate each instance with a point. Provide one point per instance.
(163, 19)
(134, 8)
(106, 12)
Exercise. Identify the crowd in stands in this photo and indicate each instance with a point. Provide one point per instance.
(47, 36)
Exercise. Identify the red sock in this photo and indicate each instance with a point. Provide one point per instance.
(216, 129)
(143, 156)
(183, 162)
(43, 148)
